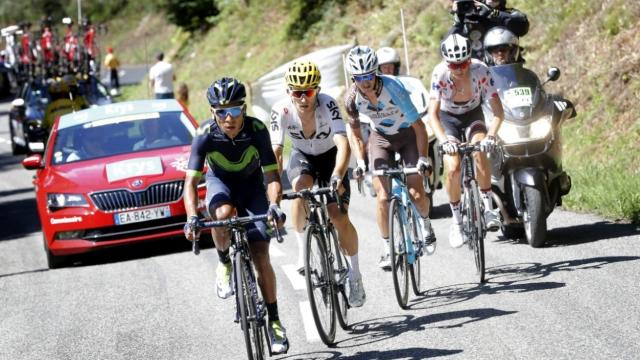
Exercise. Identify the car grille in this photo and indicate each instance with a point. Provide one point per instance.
(119, 200)
(153, 227)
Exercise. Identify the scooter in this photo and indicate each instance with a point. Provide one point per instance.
(528, 180)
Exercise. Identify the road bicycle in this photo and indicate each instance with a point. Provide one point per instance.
(406, 241)
(250, 307)
(325, 266)
(472, 208)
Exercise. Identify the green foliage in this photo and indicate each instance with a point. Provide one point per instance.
(191, 15)
(617, 18)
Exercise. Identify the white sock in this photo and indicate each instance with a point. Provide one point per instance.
(455, 210)
(385, 243)
(300, 240)
(486, 199)
(355, 267)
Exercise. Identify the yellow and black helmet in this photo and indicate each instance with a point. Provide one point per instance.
(302, 74)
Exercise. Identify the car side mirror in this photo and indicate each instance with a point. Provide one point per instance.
(33, 162)
(19, 102)
(553, 74)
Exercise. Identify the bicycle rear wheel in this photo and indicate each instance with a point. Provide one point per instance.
(246, 293)
(476, 233)
(414, 268)
(340, 272)
(318, 275)
(398, 254)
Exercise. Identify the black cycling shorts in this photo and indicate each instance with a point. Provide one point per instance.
(249, 197)
(319, 167)
(469, 124)
(383, 149)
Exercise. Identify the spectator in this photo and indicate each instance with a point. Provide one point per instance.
(182, 95)
(161, 77)
(111, 62)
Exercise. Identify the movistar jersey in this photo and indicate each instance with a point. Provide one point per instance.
(394, 110)
(239, 158)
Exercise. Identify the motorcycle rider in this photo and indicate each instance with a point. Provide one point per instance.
(388, 61)
(473, 18)
(459, 85)
(501, 47)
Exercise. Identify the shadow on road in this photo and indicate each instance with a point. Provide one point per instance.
(10, 162)
(23, 272)
(441, 211)
(414, 353)
(19, 218)
(580, 234)
(16, 191)
(511, 278)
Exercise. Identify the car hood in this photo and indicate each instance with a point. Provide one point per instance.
(135, 171)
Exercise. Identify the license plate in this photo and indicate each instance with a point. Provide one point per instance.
(142, 215)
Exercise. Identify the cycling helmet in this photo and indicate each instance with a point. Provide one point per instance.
(456, 49)
(501, 36)
(362, 60)
(302, 74)
(226, 91)
(387, 55)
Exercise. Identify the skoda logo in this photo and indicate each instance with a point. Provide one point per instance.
(136, 183)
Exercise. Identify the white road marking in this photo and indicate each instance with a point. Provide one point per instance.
(275, 251)
(5, 141)
(296, 279)
(307, 320)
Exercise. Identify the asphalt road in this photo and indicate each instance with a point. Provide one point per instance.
(576, 298)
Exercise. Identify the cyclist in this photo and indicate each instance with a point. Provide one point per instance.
(394, 128)
(459, 85)
(239, 157)
(388, 61)
(320, 152)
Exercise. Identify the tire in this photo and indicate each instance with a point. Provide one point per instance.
(475, 229)
(399, 265)
(247, 297)
(340, 272)
(414, 269)
(53, 261)
(318, 275)
(535, 219)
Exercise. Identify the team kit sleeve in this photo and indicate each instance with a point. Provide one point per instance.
(277, 124)
(263, 143)
(402, 98)
(198, 156)
(435, 93)
(337, 122)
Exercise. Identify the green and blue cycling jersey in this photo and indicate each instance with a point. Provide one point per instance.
(242, 158)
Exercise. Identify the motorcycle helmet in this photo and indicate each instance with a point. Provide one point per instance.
(501, 36)
(67, 21)
(226, 91)
(387, 55)
(362, 60)
(455, 49)
(302, 75)
(496, 4)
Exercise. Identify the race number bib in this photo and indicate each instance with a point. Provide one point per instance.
(518, 97)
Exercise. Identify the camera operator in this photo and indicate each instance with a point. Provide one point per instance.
(474, 18)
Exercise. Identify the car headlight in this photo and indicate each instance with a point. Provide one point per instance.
(57, 201)
(512, 133)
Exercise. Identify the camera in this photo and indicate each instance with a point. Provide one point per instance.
(465, 8)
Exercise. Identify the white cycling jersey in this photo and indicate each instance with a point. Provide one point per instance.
(443, 88)
(285, 119)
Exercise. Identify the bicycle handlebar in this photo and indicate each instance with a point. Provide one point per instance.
(237, 222)
(311, 193)
(396, 171)
(463, 148)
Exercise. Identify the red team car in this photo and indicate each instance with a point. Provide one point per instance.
(113, 175)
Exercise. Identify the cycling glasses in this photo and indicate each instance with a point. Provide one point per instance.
(365, 77)
(233, 111)
(461, 66)
(299, 93)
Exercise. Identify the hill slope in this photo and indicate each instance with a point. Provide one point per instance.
(594, 43)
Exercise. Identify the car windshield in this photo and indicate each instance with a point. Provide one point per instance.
(120, 135)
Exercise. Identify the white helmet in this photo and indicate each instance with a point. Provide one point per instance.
(387, 55)
(361, 60)
(500, 36)
(456, 49)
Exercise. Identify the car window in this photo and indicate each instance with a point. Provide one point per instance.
(120, 135)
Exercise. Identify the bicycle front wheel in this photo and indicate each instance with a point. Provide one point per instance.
(416, 238)
(318, 275)
(340, 272)
(476, 233)
(398, 254)
(246, 295)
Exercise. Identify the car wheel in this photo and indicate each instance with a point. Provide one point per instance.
(53, 261)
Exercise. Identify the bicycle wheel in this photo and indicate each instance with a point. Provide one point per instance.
(246, 293)
(318, 275)
(477, 232)
(340, 272)
(399, 265)
(414, 268)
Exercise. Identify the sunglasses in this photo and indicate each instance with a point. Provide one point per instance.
(461, 66)
(365, 77)
(499, 48)
(299, 93)
(233, 111)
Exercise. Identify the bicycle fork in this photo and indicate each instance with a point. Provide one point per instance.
(408, 236)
